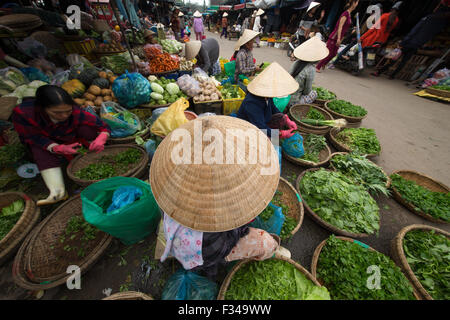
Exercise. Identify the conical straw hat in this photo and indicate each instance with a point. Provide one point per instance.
(181, 14)
(311, 50)
(225, 15)
(197, 14)
(192, 49)
(260, 12)
(212, 197)
(246, 37)
(313, 5)
(273, 82)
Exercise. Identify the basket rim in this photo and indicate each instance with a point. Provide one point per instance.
(438, 92)
(309, 164)
(129, 139)
(343, 147)
(142, 163)
(308, 126)
(318, 219)
(129, 294)
(300, 204)
(318, 250)
(36, 231)
(340, 115)
(227, 281)
(398, 197)
(398, 252)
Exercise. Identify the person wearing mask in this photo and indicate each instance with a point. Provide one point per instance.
(257, 24)
(303, 71)
(335, 38)
(198, 25)
(53, 127)
(245, 64)
(224, 25)
(206, 52)
(425, 30)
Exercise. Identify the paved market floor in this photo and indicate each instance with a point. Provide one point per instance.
(413, 133)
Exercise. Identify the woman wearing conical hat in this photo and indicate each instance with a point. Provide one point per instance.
(206, 52)
(208, 203)
(258, 107)
(245, 63)
(303, 70)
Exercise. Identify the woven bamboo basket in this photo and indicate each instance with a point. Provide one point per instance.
(342, 147)
(315, 260)
(319, 220)
(291, 198)
(227, 280)
(299, 111)
(129, 295)
(388, 182)
(41, 262)
(438, 92)
(398, 254)
(424, 181)
(339, 116)
(324, 158)
(30, 216)
(83, 161)
(127, 140)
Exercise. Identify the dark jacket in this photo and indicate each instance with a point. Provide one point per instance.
(208, 54)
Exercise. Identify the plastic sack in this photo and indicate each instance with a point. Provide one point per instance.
(442, 74)
(124, 196)
(293, 146)
(188, 285)
(122, 122)
(131, 223)
(10, 79)
(32, 48)
(42, 64)
(35, 74)
(131, 89)
(150, 147)
(152, 50)
(394, 54)
(282, 102)
(230, 68)
(273, 224)
(199, 73)
(171, 119)
(189, 85)
(59, 78)
(157, 112)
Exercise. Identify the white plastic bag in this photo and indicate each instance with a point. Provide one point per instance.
(189, 85)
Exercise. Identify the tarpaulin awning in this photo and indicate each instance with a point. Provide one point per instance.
(239, 6)
(213, 8)
(225, 7)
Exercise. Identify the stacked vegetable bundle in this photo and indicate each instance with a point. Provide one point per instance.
(345, 108)
(324, 94)
(361, 140)
(229, 91)
(165, 91)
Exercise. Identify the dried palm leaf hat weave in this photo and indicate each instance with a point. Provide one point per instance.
(204, 195)
(225, 15)
(311, 50)
(273, 82)
(192, 49)
(247, 35)
(197, 14)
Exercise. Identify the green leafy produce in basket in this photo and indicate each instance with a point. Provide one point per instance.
(441, 87)
(273, 279)
(9, 217)
(313, 145)
(229, 91)
(436, 204)
(346, 270)
(10, 154)
(347, 108)
(314, 114)
(428, 255)
(324, 94)
(360, 140)
(340, 202)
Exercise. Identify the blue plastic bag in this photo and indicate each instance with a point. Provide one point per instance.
(131, 89)
(293, 146)
(35, 74)
(187, 285)
(273, 224)
(122, 122)
(124, 196)
(150, 147)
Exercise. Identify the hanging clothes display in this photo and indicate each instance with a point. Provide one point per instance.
(134, 19)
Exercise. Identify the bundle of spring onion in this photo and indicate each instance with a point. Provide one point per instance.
(338, 123)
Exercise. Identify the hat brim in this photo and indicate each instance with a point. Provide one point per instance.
(192, 49)
(247, 36)
(311, 50)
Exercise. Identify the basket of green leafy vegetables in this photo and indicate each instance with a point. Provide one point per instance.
(18, 215)
(346, 110)
(362, 170)
(359, 140)
(300, 112)
(349, 269)
(338, 204)
(277, 278)
(323, 96)
(439, 90)
(422, 195)
(317, 152)
(124, 160)
(423, 254)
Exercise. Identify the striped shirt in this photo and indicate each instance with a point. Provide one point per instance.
(244, 63)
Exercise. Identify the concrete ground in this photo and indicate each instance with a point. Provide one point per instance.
(413, 133)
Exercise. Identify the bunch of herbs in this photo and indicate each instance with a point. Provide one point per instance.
(314, 114)
(360, 140)
(9, 216)
(347, 108)
(313, 145)
(80, 232)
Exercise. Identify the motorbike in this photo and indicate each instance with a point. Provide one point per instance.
(352, 65)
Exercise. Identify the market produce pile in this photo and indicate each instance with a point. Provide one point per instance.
(324, 94)
(441, 87)
(361, 140)
(347, 108)
(9, 216)
(428, 255)
(314, 114)
(10, 80)
(337, 200)
(208, 92)
(273, 279)
(343, 268)
(163, 62)
(230, 91)
(10, 154)
(436, 204)
(171, 46)
(165, 91)
(313, 145)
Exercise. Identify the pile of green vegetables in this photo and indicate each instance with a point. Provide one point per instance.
(343, 267)
(80, 232)
(273, 279)
(337, 200)
(313, 145)
(436, 204)
(347, 108)
(229, 91)
(171, 46)
(324, 94)
(289, 222)
(117, 63)
(441, 87)
(165, 91)
(428, 255)
(10, 154)
(9, 217)
(110, 166)
(360, 140)
(363, 171)
(314, 114)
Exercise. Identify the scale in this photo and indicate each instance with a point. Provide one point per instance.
(28, 171)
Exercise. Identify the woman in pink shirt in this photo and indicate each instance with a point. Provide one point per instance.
(335, 39)
(198, 26)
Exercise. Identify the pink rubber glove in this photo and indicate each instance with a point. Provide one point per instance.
(66, 149)
(291, 124)
(284, 134)
(98, 145)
